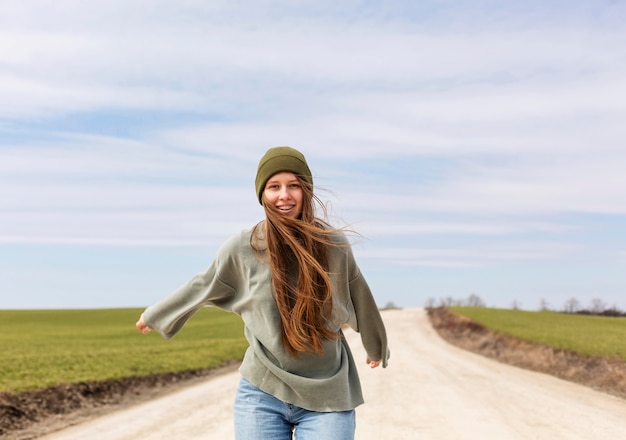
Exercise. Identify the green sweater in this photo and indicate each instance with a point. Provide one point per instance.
(238, 281)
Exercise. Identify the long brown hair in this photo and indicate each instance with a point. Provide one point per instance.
(297, 251)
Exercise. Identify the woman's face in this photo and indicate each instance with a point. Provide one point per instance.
(284, 191)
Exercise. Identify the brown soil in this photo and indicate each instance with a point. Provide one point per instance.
(31, 414)
(603, 374)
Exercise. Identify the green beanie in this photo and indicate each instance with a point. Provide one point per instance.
(279, 159)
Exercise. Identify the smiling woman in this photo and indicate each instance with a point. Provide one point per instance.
(294, 282)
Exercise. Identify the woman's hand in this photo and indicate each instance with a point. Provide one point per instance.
(373, 364)
(141, 326)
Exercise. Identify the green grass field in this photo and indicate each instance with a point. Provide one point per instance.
(587, 335)
(39, 348)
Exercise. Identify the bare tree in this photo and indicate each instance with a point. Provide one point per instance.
(613, 311)
(572, 305)
(475, 301)
(543, 305)
(430, 303)
(516, 305)
(448, 301)
(597, 306)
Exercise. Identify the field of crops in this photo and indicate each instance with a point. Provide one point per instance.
(588, 335)
(39, 348)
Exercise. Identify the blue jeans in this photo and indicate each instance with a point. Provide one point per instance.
(261, 416)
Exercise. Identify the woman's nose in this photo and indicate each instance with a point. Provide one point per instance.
(284, 193)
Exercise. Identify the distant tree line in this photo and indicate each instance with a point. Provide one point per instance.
(596, 307)
(471, 301)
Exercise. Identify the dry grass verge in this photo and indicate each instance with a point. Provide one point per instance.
(603, 374)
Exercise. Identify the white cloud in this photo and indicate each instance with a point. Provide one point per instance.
(189, 57)
(486, 228)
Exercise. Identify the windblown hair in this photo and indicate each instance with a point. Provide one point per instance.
(297, 251)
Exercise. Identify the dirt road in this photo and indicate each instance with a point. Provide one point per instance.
(430, 390)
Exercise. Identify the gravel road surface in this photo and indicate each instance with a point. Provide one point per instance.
(431, 390)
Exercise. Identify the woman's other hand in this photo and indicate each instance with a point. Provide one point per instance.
(373, 364)
(142, 326)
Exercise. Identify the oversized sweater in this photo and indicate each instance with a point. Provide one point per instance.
(239, 281)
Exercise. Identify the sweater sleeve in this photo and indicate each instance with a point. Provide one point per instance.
(169, 315)
(369, 322)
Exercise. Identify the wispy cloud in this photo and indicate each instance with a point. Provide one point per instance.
(493, 254)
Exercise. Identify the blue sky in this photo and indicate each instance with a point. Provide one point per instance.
(478, 147)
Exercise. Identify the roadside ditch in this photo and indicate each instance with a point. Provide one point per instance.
(600, 373)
